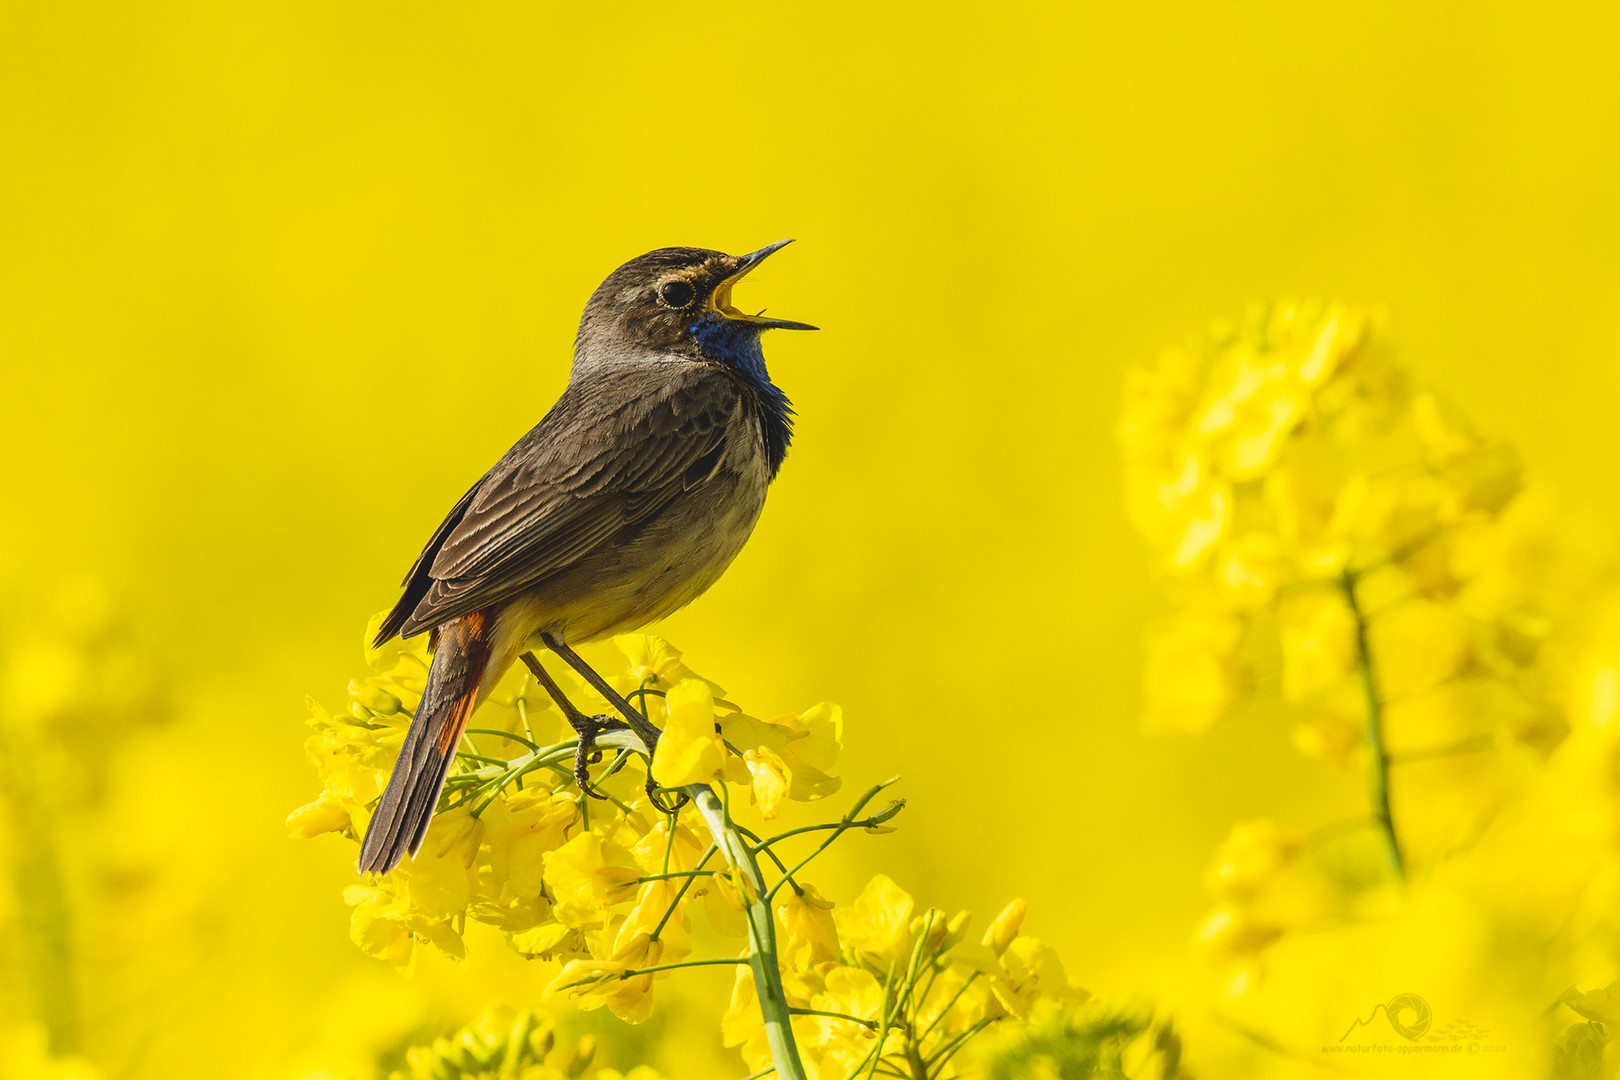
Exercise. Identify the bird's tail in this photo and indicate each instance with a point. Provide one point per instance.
(407, 804)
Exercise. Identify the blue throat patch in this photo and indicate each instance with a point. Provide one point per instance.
(737, 345)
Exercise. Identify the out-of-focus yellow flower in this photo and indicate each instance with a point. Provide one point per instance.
(690, 750)
(742, 1026)
(1254, 851)
(878, 924)
(1317, 634)
(505, 1044)
(25, 1055)
(1419, 644)
(1005, 926)
(1335, 728)
(1229, 932)
(1031, 973)
(1192, 673)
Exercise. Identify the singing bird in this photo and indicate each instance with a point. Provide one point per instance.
(626, 502)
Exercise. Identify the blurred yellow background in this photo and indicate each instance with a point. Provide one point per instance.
(278, 281)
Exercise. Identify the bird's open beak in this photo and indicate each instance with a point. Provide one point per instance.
(720, 299)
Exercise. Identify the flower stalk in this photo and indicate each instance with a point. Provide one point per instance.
(1379, 753)
(762, 950)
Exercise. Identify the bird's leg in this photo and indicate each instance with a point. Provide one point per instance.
(636, 719)
(586, 727)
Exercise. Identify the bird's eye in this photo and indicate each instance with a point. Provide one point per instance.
(677, 294)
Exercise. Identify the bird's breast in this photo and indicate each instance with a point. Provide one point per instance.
(668, 561)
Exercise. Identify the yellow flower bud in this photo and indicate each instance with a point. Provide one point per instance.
(581, 1058)
(956, 929)
(1253, 853)
(1232, 933)
(933, 920)
(373, 698)
(541, 1041)
(324, 815)
(1005, 926)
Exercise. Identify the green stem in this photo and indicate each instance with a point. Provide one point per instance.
(727, 961)
(1375, 729)
(870, 1025)
(840, 828)
(687, 884)
(43, 915)
(762, 955)
(671, 875)
(530, 743)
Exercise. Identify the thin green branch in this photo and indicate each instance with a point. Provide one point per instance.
(672, 874)
(949, 1005)
(843, 826)
(1474, 745)
(687, 884)
(631, 973)
(727, 961)
(523, 717)
(465, 755)
(1375, 728)
(530, 743)
(870, 1025)
(939, 1057)
(883, 1032)
(781, 866)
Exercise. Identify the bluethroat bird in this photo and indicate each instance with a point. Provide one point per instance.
(625, 503)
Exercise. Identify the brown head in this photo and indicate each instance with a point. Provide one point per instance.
(673, 304)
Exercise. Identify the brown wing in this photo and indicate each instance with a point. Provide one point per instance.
(611, 453)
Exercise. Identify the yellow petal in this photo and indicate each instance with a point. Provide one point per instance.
(690, 750)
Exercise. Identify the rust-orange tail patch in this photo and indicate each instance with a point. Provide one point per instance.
(408, 802)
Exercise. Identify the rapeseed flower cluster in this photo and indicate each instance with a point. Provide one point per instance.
(606, 883)
(1343, 545)
(602, 879)
(1095, 1039)
(25, 1054)
(505, 1044)
(881, 987)
(1348, 543)
(75, 690)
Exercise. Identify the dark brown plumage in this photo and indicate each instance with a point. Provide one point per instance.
(624, 503)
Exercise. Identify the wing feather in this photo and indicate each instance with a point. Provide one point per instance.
(607, 458)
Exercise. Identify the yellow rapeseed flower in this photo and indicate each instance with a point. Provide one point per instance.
(690, 750)
(811, 934)
(878, 924)
(586, 876)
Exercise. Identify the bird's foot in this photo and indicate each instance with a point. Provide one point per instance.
(665, 800)
(586, 754)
